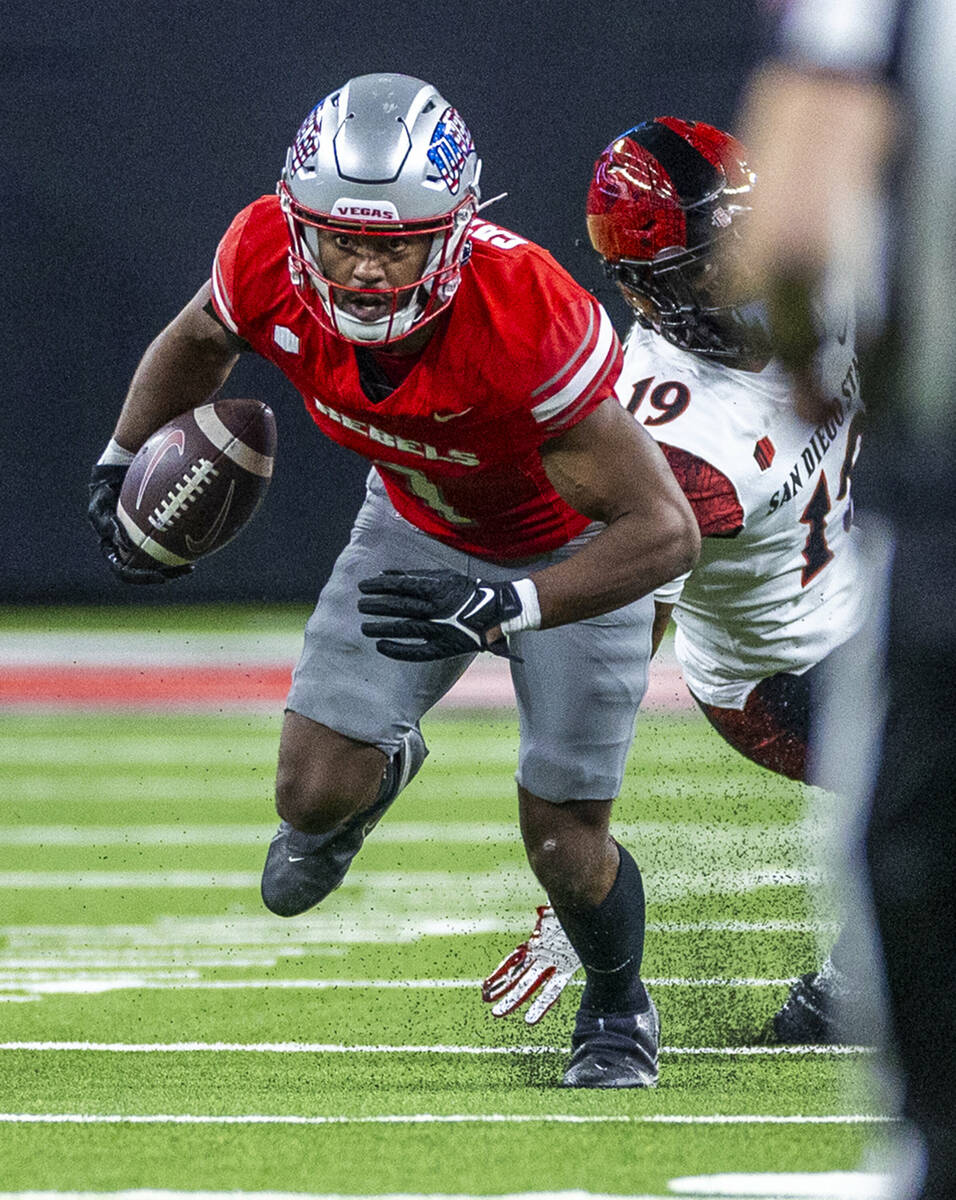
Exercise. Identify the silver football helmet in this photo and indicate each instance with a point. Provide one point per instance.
(381, 156)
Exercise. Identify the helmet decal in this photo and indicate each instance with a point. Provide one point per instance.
(346, 209)
(306, 140)
(450, 147)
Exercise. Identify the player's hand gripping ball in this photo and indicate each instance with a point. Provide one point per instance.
(190, 489)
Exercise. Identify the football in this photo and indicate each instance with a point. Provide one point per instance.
(197, 481)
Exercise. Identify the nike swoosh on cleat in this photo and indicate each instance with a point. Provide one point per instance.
(300, 858)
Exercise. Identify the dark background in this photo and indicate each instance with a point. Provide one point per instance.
(131, 135)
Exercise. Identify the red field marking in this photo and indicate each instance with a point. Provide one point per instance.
(119, 687)
(209, 686)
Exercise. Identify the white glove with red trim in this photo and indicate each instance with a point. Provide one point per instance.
(544, 964)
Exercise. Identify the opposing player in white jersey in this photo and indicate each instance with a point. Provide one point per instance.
(775, 589)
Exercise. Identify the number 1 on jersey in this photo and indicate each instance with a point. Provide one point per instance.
(428, 491)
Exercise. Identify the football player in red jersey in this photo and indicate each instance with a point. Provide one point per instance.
(513, 506)
(777, 586)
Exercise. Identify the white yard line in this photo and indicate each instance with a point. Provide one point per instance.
(792, 837)
(342, 1048)
(154, 1194)
(666, 884)
(253, 931)
(70, 880)
(796, 1185)
(82, 983)
(827, 1185)
(440, 1119)
(55, 978)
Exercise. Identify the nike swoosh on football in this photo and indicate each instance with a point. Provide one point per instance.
(173, 441)
(200, 545)
(451, 416)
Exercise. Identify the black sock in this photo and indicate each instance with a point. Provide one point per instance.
(609, 940)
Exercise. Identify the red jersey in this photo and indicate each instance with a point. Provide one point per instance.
(521, 355)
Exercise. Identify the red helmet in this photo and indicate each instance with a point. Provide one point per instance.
(665, 199)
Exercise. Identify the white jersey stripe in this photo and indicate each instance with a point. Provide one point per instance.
(538, 391)
(221, 297)
(584, 378)
(567, 417)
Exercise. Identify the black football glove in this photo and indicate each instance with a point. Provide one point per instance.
(105, 484)
(446, 613)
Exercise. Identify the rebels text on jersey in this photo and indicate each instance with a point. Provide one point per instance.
(522, 354)
(776, 587)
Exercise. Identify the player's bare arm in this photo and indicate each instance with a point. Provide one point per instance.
(182, 367)
(608, 468)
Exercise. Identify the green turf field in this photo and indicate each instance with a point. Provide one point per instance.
(162, 1031)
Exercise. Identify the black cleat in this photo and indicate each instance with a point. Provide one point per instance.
(816, 1012)
(301, 869)
(614, 1050)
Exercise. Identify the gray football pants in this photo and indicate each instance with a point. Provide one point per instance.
(578, 688)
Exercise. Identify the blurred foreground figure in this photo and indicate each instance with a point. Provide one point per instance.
(854, 126)
(776, 589)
